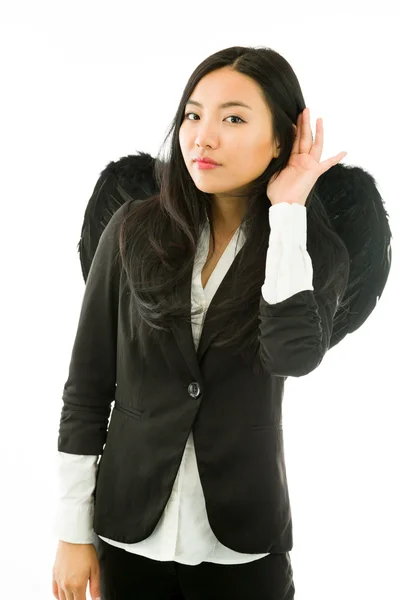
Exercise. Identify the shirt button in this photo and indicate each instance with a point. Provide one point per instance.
(194, 389)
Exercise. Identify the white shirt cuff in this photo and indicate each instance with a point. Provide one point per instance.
(289, 267)
(76, 484)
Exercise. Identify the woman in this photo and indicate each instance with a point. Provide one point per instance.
(199, 303)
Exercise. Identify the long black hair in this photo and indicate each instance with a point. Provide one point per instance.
(158, 237)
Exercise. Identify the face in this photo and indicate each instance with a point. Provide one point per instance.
(238, 138)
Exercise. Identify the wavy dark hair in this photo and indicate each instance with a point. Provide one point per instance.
(158, 237)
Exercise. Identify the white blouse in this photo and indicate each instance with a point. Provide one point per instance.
(183, 533)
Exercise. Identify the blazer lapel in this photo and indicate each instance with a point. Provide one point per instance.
(211, 328)
(182, 330)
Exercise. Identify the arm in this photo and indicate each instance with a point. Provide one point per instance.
(295, 328)
(90, 386)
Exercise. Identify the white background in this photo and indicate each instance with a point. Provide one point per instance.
(84, 83)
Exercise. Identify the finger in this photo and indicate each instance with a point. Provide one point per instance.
(62, 594)
(81, 595)
(305, 136)
(54, 586)
(316, 150)
(296, 143)
(330, 162)
(66, 595)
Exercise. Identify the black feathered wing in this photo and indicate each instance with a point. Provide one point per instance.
(350, 197)
(130, 177)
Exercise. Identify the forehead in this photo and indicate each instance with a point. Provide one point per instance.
(225, 85)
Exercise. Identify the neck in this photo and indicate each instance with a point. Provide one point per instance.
(227, 215)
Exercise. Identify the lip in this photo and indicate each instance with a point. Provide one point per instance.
(205, 166)
(207, 161)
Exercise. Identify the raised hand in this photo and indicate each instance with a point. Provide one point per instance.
(297, 179)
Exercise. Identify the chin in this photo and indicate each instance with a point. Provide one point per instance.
(208, 189)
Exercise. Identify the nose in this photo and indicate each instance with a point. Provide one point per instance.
(206, 138)
(205, 141)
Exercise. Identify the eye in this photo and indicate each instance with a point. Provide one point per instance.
(230, 117)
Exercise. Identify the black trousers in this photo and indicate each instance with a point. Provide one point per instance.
(128, 576)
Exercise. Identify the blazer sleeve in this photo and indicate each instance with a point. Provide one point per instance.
(90, 387)
(295, 324)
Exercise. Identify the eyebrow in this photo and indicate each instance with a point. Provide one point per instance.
(223, 105)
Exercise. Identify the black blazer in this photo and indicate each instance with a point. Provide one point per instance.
(168, 390)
